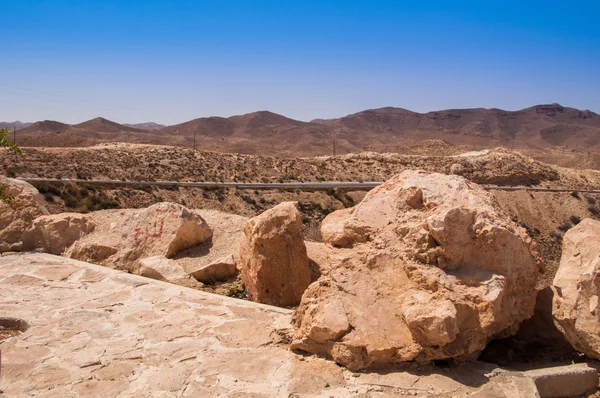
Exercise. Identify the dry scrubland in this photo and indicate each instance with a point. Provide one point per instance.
(545, 215)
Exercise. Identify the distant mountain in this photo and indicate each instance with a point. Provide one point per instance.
(384, 129)
(539, 125)
(45, 126)
(17, 125)
(101, 125)
(146, 126)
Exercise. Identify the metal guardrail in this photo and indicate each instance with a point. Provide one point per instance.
(309, 186)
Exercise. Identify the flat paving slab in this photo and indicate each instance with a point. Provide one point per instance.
(94, 331)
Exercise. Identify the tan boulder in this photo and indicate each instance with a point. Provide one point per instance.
(122, 237)
(15, 218)
(218, 270)
(55, 233)
(162, 269)
(274, 264)
(577, 286)
(166, 228)
(318, 259)
(426, 267)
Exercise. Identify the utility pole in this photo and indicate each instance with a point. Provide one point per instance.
(334, 147)
(14, 135)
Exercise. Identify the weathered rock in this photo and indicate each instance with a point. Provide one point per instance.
(274, 264)
(15, 218)
(55, 233)
(318, 259)
(91, 251)
(218, 270)
(122, 237)
(166, 228)
(564, 381)
(576, 288)
(162, 269)
(426, 267)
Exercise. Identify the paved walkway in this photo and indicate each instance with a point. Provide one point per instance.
(99, 332)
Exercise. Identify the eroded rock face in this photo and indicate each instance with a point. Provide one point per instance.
(16, 218)
(577, 286)
(426, 267)
(166, 228)
(218, 270)
(162, 269)
(274, 263)
(55, 233)
(123, 237)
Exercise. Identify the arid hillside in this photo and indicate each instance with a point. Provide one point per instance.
(545, 215)
(552, 133)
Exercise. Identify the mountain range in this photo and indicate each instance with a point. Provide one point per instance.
(385, 129)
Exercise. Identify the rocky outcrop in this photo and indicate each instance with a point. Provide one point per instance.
(218, 270)
(123, 237)
(55, 233)
(426, 267)
(577, 287)
(274, 264)
(16, 217)
(166, 228)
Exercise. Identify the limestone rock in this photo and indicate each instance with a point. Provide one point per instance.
(274, 264)
(16, 218)
(576, 288)
(55, 233)
(217, 270)
(166, 228)
(318, 259)
(122, 237)
(426, 267)
(162, 269)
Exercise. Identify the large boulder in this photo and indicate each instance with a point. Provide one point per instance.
(426, 267)
(274, 263)
(55, 233)
(577, 286)
(166, 228)
(15, 218)
(123, 237)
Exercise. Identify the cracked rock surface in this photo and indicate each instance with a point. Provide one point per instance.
(95, 331)
(576, 288)
(426, 267)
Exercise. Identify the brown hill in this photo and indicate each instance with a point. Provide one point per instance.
(561, 135)
(46, 126)
(16, 124)
(540, 125)
(102, 125)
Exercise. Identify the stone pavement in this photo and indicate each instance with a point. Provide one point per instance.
(94, 331)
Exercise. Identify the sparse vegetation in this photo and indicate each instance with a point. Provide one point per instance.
(564, 227)
(575, 194)
(4, 143)
(238, 290)
(575, 220)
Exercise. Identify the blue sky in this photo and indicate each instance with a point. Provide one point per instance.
(172, 61)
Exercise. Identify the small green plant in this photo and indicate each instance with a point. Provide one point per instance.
(575, 194)
(4, 143)
(575, 220)
(238, 290)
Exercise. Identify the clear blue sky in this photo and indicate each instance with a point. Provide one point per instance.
(172, 61)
